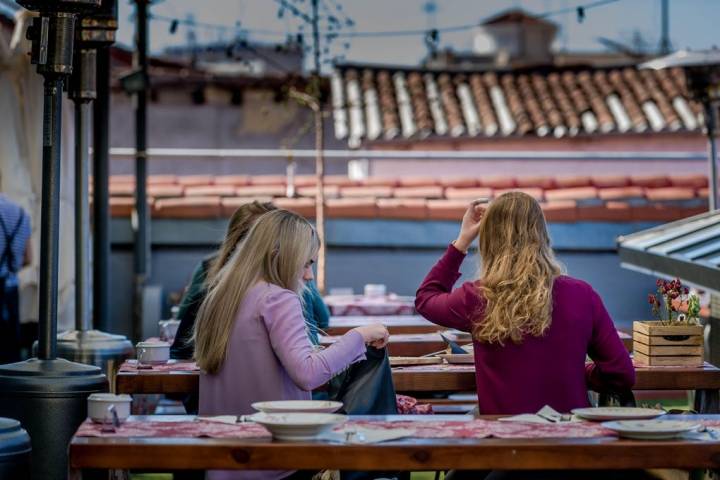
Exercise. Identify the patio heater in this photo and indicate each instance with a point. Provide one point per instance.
(48, 395)
(702, 69)
(84, 344)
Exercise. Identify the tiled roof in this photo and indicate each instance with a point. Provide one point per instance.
(376, 103)
(609, 198)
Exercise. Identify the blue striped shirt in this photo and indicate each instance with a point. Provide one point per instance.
(13, 216)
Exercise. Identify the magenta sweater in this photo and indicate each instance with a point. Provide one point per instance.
(546, 370)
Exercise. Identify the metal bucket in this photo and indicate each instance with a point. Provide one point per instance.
(49, 398)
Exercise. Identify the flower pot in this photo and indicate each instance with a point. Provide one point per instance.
(656, 344)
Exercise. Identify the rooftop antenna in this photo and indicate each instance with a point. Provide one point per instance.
(665, 46)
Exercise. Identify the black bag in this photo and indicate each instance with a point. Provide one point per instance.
(366, 387)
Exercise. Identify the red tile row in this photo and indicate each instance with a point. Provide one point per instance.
(561, 210)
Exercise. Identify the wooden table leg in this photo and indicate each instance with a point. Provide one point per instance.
(707, 401)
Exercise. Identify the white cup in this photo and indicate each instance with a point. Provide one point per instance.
(375, 290)
(100, 406)
(152, 353)
(168, 329)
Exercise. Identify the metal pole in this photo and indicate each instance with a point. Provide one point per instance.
(141, 208)
(710, 124)
(50, 219)
(101, 192)
(316, 37)
(320, 195)
(665, 46)
(82, 216)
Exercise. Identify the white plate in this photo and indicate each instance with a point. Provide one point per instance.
(297, 426)
(298, 406)
(617, 413)
(650, 429)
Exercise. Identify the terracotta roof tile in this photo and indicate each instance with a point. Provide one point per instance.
(417, 181)
(458, 182)
(330, 191)
(195, 180)
(164, 179)
(703, 192)
(339, 180)
(305, 181)
(261, 191)
(351, 208)
(561, 101)
(528, 181)
(446, 209)
(228, 205)
(576, 193)
(419, 192)
(188, 207)
(607, 181)
(537, 193)
(467, 194)
(123, 206)
(694, 181)
(406, 208)
(669, 194)
(564, 211)
(302, 206)
(268, 180)
(236, 180)
(121, 189)
(379, 182)
(366, 192)
(650, 181)
(211, 190)
(121, 179)
(496, 181)
(165, 191)
(572, 181)
(659, 213)
(621, 193)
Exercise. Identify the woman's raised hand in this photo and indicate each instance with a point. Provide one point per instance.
(470, 225)
(375, 335)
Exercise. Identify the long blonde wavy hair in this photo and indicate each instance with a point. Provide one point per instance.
(239, 225)
(518, 269)
(276, 250)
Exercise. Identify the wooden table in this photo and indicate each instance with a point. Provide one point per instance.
(167, 454)
(705, 380)
(394, 324)
(407, 344)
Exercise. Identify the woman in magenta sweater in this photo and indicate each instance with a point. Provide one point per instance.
(532, 326)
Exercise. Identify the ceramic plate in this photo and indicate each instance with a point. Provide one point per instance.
(617, 413)
(650, 429)
(298, 406)
(297, 426)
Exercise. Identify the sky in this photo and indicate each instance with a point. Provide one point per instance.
(693, 23)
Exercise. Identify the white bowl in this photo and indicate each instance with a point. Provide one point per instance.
(297, 426)
(651, 429)
(98, 405)
(375, 290)
(299, 406)
(152, 353)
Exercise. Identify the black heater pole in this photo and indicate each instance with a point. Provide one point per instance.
(101, 195)
(50, 218)
(141, 203)
(48, 395)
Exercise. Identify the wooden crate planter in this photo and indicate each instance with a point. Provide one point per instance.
(655, 344)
